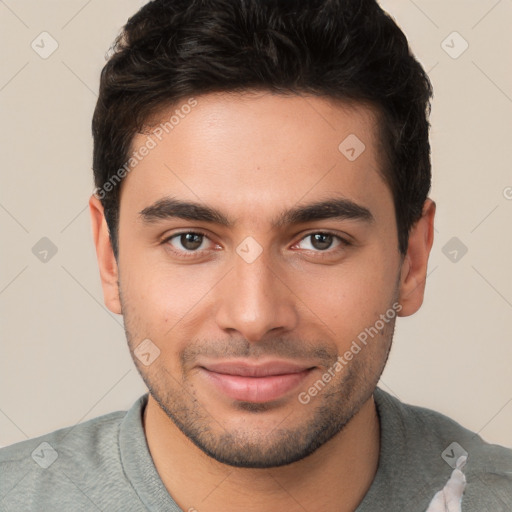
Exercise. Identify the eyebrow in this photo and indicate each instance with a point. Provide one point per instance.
(334, 208)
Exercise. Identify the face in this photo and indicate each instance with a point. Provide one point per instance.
(260, 259)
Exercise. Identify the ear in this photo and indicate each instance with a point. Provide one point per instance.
(107, 263)
(414, 267)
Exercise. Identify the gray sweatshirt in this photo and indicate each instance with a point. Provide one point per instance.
(104, 465)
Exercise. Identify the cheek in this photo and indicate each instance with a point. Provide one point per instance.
(161, 296)
(352, 296)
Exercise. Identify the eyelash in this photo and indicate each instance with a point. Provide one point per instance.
(343, 243)
(184, 253)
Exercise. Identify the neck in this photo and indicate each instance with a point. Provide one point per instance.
(334, 478)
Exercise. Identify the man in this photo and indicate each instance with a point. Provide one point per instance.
(261, 217)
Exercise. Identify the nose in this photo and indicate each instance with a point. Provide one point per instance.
(254, 299)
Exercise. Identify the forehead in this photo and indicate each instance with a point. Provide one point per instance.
(256, 150)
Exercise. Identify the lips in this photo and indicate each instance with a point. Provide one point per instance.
(255, 383)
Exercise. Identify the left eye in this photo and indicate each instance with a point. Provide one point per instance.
(189, 242)
(321, 241)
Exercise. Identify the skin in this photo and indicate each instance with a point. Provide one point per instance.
(252, 156)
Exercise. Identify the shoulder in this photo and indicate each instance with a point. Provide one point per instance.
(52, 470)
(436, 441)
(79, 439)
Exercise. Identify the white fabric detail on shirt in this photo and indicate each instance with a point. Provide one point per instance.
(450, 497)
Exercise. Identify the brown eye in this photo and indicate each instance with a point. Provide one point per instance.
(321, 241)
(187, 242)
(191, 241)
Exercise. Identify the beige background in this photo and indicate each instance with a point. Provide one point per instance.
(63, 355)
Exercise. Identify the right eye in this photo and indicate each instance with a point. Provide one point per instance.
(189, 241)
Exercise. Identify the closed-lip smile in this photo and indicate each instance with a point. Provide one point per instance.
(255, 382)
